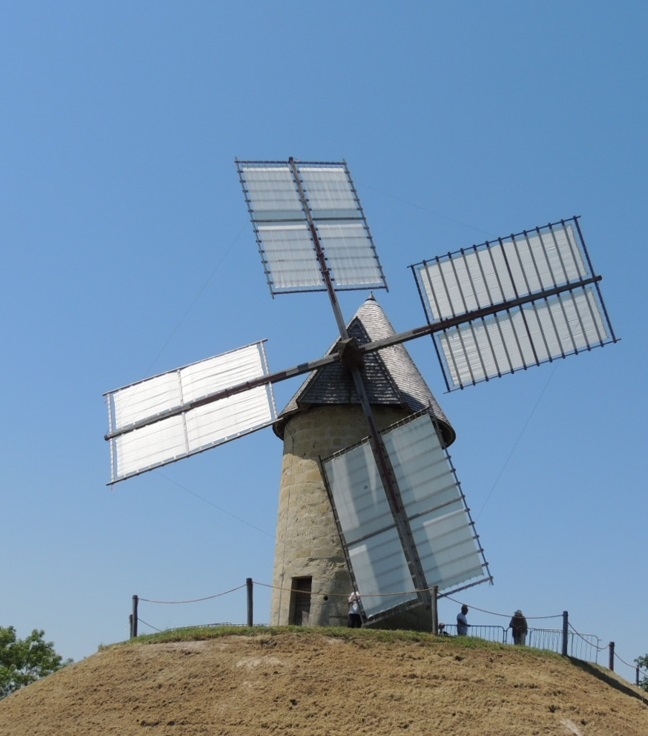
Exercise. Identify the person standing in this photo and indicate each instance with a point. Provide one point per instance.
(462, 622)
(354, 620)
(519, 627)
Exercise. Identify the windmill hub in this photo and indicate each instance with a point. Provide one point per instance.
(350, 355)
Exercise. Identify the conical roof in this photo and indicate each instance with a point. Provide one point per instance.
(391, 377)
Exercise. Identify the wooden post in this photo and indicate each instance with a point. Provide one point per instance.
(250, 602)
(133, 619)
(435, 610)
(565, 633)
(611, 661)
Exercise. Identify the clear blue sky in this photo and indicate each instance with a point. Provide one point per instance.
(128, 251)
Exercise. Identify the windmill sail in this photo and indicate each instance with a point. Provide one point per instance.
(433, 502)
(166, 418)
(286, 230)
(525, 300)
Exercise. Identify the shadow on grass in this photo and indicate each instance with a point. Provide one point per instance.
(609, 679)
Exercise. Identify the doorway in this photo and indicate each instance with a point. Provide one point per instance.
(300, 601)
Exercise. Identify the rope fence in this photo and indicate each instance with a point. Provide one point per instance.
(564, 639)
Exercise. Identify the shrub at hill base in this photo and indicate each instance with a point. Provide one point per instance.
(23, 661)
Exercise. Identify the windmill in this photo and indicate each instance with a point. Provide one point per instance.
(369, 499)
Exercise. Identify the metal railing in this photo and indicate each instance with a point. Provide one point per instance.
(490, 633)
(579, 646)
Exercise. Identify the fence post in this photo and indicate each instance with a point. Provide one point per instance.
(611, 662)
(565, 633)
(250, 602)
(435, 610)
(133, 618)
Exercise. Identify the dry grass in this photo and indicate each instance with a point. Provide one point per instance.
(324, 681)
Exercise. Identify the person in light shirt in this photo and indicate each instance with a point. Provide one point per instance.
(462, 622)
(354, 620)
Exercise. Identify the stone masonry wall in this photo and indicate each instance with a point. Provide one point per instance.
(307, 541)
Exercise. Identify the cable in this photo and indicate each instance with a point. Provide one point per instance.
(195, 600)
(632, 666)
(194, 301)
(427, 209)
(502, 615)
(150, 627)
(211, 503)
(582, 637)
(517, 442)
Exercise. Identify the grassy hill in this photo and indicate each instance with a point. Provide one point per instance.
(227, 682)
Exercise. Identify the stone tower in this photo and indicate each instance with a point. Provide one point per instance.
(311, 580)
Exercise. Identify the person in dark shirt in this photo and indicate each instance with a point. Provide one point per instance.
(519, 627)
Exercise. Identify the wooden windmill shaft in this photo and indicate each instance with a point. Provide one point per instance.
(352, 361)
(349, 353)
(325, 418)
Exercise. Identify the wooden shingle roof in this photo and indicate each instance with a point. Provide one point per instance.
(392, 378)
